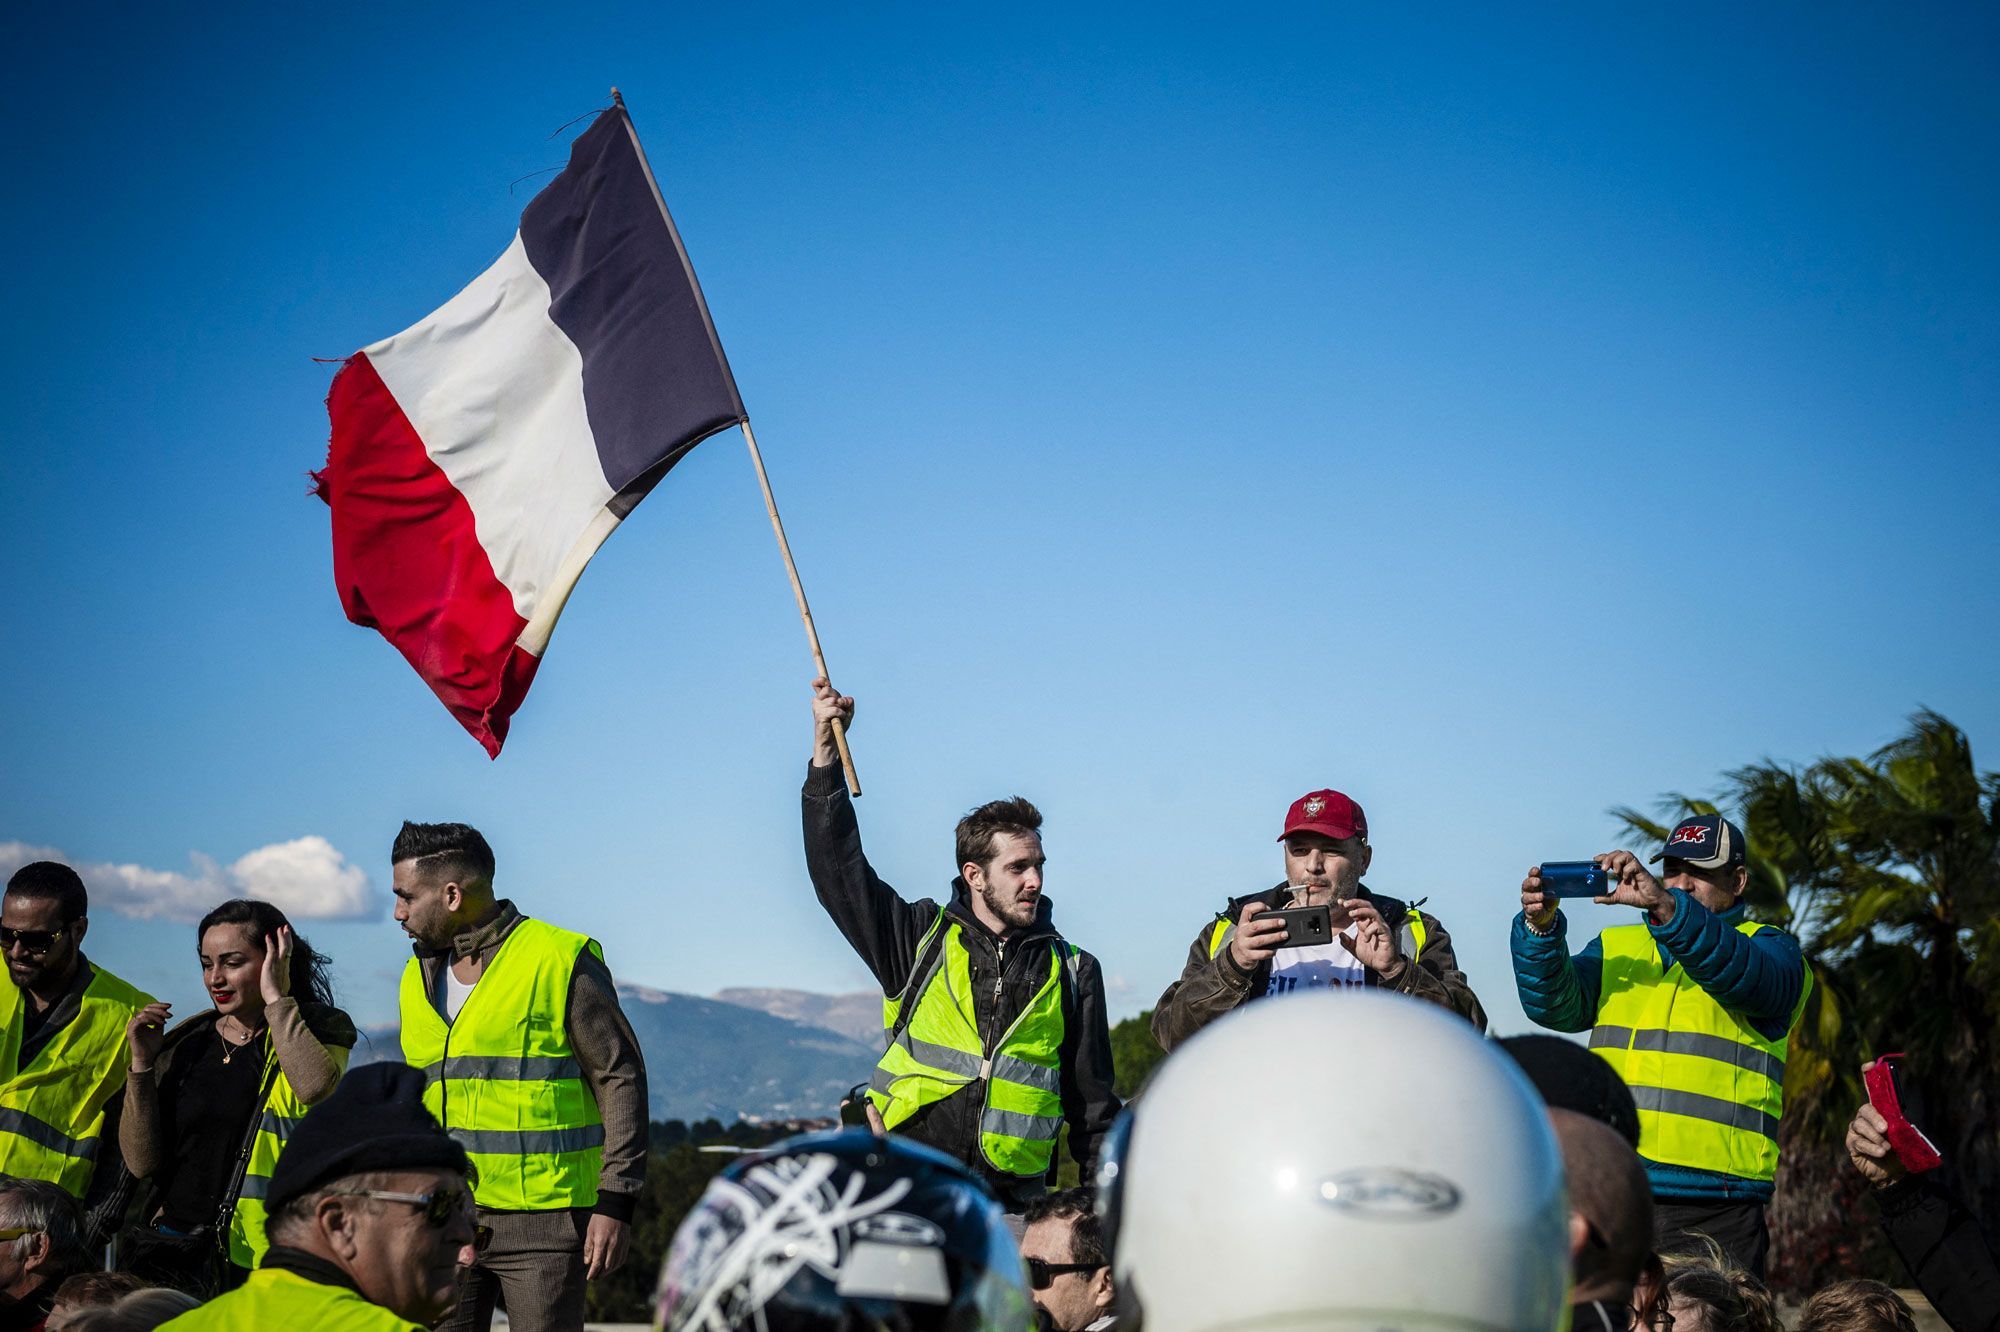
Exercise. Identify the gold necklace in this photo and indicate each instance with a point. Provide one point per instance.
(231, 1048)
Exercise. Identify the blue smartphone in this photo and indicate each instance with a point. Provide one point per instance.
(1574, 878)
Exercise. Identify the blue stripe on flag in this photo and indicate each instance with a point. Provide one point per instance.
(655, 382)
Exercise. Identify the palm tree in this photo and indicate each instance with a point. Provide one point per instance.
(1888, 870)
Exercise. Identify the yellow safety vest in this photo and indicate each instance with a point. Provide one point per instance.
(938, 1052)
(1410, 935)
(272, 1297)
(52, 1109)
(503, 1078)
(1709, 1088)
(281, 1113)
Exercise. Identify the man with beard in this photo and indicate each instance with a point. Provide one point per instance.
(995, 1024)
(63, 1046)
(531, 1065)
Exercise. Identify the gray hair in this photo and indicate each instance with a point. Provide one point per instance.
(140, 1311)
(45, 1210)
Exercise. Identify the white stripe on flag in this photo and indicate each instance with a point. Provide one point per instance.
(495, 391)
(535, 634)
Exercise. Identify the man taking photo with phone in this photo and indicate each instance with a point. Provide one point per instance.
(1694, 1007)
(1267, 944)
(995, 1024)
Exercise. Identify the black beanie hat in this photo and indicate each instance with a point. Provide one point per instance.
(374, 1120)
(1570, 1077)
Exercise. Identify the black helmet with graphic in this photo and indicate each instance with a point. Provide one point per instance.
(844, 1231)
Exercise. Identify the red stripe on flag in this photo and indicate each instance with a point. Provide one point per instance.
(407, 561)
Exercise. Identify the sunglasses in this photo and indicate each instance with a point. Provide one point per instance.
(1041, 1274)
(36, 942)
(439, 1208)
(15, 1232)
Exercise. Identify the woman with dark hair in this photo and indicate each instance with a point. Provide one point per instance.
(209, 1105)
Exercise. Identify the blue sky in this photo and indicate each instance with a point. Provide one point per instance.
(1499, 413)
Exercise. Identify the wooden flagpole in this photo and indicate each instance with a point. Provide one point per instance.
(763, 483)
(805, 611)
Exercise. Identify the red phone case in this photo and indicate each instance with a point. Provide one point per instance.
(1913, 1149)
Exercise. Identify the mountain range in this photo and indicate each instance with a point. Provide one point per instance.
(856, 1016)
(746, 1053)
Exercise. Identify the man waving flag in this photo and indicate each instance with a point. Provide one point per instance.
(480, 457)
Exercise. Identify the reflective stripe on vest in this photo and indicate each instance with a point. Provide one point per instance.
(281, 1113)
(502, 1077)
(52, 1110)
(272, 1297)
(1411, 936)
(938, 1052)
(1709, 1088)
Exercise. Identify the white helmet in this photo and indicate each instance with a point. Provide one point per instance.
(1338, 1161)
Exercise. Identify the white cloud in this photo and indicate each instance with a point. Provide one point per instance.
(306, 878)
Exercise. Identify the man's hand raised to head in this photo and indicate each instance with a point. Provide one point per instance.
(828, 707)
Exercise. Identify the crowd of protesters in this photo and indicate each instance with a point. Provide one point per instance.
(501, 1168)
(1359, 1151)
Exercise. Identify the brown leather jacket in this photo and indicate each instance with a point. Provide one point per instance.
(1211, 983)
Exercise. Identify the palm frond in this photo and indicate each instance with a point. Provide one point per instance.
(1888, 868)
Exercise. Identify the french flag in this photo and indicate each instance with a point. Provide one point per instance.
(480, 457)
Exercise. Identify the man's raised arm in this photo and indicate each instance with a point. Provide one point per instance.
(875, 921)
(1557, 991)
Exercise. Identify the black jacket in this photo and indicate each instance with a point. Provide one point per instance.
(146, 1129)
(1947, 1253)
(886, 931)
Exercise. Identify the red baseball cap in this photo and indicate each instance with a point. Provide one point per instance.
(1328, 813)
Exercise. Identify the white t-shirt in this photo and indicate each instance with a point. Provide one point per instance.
(1317, 967)
(456, 992)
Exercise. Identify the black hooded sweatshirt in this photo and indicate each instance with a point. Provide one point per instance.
(886, 931)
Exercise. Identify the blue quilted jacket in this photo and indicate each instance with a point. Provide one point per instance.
(1756, 976)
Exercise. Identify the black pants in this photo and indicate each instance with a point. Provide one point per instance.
(1679, 1225)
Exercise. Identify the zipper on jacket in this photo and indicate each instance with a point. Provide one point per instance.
(999, 981)
(1019, 1018)
(986, 1064)
(993, 1046)
(444, 1061)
